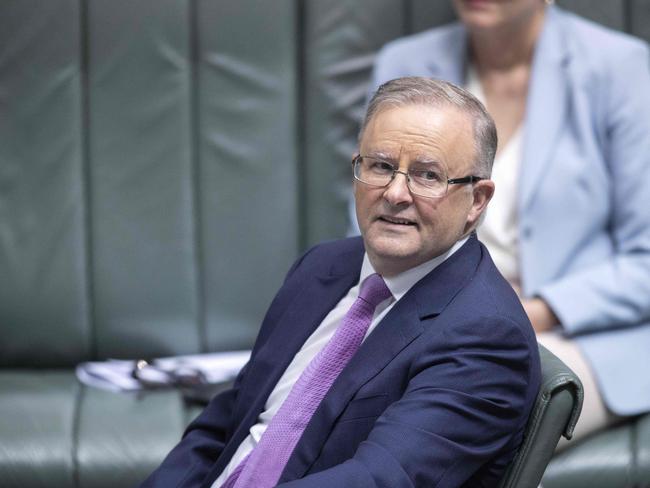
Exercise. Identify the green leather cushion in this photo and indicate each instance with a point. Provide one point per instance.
(616, 458)
(57, 433)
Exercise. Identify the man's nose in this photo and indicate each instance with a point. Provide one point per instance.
(397, 192)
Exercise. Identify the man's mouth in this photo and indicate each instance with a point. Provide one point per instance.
(396, 220)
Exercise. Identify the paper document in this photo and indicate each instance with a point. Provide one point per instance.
(190, 370)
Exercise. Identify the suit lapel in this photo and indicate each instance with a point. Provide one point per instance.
(382, 345)
(302, 316)
(546, 106)
(398, 329)
(317, 297)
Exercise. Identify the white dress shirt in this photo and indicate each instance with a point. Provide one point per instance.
(398, 286)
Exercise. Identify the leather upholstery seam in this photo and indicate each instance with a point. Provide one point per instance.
(633, 469)
(76, 428)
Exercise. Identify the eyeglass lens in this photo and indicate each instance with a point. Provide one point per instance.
(424, 178)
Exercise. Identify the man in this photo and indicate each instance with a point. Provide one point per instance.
(399, 359)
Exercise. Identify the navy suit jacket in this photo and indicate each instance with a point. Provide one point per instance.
(437, 395)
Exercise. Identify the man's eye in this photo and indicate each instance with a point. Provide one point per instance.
(427, 175)
(381, 167)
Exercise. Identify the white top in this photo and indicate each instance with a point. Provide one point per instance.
(499, 228)
(398, 286)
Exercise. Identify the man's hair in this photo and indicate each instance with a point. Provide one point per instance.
(415, 90)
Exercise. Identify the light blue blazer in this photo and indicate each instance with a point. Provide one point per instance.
(584, 197)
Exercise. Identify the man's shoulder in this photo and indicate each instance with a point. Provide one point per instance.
(336, 248)
(489, 298)
(487, 315)
(474, 287)
(335, 255)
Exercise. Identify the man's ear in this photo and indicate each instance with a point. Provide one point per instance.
(482, 192)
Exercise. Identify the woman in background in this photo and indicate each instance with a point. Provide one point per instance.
(569, 225)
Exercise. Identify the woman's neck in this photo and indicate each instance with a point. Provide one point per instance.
(505, 48)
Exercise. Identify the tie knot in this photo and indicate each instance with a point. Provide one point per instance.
(374, 290)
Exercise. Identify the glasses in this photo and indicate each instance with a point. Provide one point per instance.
(150, 375)
(427, 180)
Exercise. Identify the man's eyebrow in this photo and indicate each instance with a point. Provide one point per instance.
(423, 157)
(418, 159)
(427, 160)
(381, 155)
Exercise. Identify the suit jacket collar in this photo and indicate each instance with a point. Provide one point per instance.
(432, 293)
(402, 325)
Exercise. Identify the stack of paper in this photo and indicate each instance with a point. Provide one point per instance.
(117, 374)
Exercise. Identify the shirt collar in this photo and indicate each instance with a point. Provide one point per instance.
(401, 283)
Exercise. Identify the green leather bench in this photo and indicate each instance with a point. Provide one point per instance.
(616, 458)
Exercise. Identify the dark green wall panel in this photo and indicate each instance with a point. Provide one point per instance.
(639, 18)
(141, 179)
(247, 161)
(425, 14)
(43, 306)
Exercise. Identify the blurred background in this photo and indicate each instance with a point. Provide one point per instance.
(162, 163)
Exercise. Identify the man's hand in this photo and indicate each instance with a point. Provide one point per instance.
(539, 314)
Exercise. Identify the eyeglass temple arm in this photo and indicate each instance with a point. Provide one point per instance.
(464, 179)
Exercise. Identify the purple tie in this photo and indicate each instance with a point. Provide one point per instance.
(264, 465)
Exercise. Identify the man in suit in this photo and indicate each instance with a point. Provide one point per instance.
(401, 358)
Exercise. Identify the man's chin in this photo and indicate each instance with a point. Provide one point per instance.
(388, 250)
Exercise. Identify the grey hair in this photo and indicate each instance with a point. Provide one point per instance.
(415, 90)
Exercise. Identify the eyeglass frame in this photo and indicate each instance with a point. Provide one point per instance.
(356, 160)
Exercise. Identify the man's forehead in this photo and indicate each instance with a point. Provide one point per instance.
(417, 129)
(416, 112)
